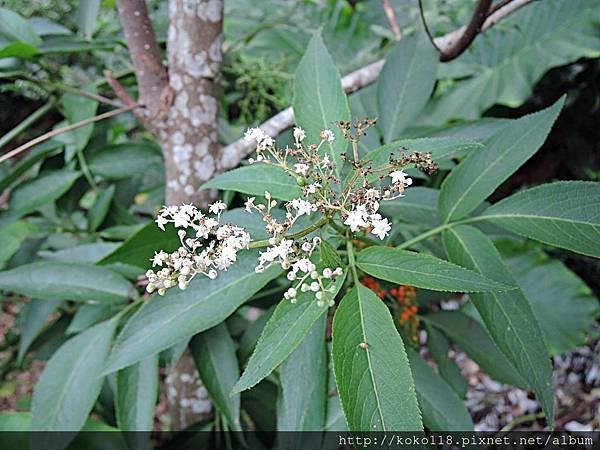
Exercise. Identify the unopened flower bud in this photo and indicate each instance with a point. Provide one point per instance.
(319, 295)
(305, 287)
(306, 246)
(314, 274)
(327, 272)
(291, 276)
(150, 288)
(212, 274)
(314, 286)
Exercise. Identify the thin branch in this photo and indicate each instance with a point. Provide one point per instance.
(426, 27)
(119, 89)
(391, 17)
(352, 82)
(76, 91)
(26, 123)
(480, 14)
(145, 53)
(53, 133)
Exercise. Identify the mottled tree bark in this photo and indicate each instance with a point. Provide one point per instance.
(181, 109)
(189, 137)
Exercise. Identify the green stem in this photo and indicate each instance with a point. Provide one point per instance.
(351, 260)
(26, 123)
(86, 170)
(293, 236)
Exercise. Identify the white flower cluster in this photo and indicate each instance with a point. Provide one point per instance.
(357, 205)
(206, 246)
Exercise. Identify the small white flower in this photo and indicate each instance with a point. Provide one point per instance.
(356, 220)
(159, 259)
(161, 221)
(327, 135)
(381, 228)
(253, 134)
(249, 204)
(299, 134)
(302, 169)
(303, 207)
(217, 207)
(327, 272)
(399, 176)
(325, 161)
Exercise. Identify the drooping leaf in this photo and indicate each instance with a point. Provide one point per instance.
(284, 331)
(564, 214)
(77, 108)
(164, 321)
(99, 210)
(472, 337)
(139, 249)
(442, 410)
(214, 353)
(17, 28)
(423, 271)
(319, 99)
(66, 281)
(119, 161)
(507, 315)
(11, 238)
(90, 314)
(507, 62)
(32, 319)
(255, 179)
(469, 184)
(419, 206)
(38, 153)
(136, 394)
(438, 347)
(70, 383)
(46, 188)
(372, 373)
(405, 83)
(563, 303)
(303, 378)
(87, 17)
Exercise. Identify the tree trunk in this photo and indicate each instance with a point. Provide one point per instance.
(181, 109)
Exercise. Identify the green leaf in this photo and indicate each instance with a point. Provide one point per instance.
(136, 393)
(507, 61)
(69, 385)
(164, 321)
(419, 206)
(18, 50)
(252, 334)
(44, 189)
(282, 334)
(405, 83)
(98, 212)
(564, 214)
(303, 378)
(255, 180)
(66, 281)
(17, 28)
(563, 303)
(123, 161)
(375, 384)
(438, 347)
(12, 236)
(423, 271)
(507, 315)
(442, 409)
(319, 99)
(483, 171)
(474, 339)
(84, 253)
(33, 317)
(214, 353)
(46, 149)
(90, 314)
(139, 248)
(87, 17)
(77, 108)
